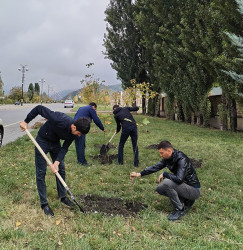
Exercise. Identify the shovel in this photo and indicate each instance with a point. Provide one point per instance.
(105, 147)
(57, 174)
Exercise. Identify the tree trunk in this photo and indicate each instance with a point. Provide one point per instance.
(134, 103)
(233, 115)
(199, 118)
(151, 107)
(157, 106)
(224, 119)
(181, 115)
(144, 104)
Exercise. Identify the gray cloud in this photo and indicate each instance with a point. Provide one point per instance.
(56, 39)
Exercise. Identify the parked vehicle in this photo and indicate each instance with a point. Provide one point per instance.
(68, 104)
(1, 132)
(17, 103)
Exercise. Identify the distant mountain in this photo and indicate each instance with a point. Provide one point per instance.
(116, 87)
(69, 94)
(64, 93)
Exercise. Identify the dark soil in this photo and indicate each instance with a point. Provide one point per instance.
(105, 159)
(153, 146)
(110, 206)
(195, 163)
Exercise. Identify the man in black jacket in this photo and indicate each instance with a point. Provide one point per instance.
(182, 186)
(125, 120)
(58, 126)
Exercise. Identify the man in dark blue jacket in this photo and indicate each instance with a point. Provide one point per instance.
(58, 126)
(182, 186)
(88, 112)
(125, 120)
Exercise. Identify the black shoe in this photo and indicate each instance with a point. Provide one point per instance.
(48, 211)
(119, 163)
(67, 202)
(176, 214)
(188, 204)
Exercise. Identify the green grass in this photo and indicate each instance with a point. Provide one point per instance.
(215, 221)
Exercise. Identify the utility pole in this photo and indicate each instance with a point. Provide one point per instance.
(41, 81)
(23, 69)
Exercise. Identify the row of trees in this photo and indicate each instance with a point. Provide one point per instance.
(32, 95)
(94, 90)
(184, 48)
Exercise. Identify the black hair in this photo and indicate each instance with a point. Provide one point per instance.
(165, 145)
(115, 106)
(82, 125)
(93, 104)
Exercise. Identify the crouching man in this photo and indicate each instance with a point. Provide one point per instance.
(58, 126)
(181, 186)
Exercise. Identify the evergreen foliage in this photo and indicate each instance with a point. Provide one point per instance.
(185, 48)
(122, 42)
(30, 91)
(37, 88)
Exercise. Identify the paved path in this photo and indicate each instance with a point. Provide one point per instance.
(12, 115)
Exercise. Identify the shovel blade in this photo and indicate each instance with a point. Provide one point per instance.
(75, 201)
(80, 208)
(104, 149)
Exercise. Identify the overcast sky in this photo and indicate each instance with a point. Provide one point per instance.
(55, 39)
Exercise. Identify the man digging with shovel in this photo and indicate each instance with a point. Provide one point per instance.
(58, 126)
(90, 113)
(125, 120)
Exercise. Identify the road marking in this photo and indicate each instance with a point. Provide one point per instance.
(11, 124)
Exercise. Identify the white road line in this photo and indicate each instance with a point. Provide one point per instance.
(12, 124)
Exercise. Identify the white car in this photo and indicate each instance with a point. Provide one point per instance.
(1, 132)
(68, 104)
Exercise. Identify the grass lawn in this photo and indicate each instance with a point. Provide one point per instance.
(214, 222)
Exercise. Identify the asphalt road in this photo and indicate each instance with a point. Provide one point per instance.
(12, 115)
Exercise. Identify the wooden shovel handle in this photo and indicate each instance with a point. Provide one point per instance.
(112, 137)
(45, 157)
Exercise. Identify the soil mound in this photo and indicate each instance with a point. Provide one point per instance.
(105, 159)
(36, 125)
(196, 163)
(152, 146)
(110, 206)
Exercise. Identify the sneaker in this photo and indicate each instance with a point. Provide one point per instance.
(188, 204)
(176, 214)
(67, 202)
(48, 211)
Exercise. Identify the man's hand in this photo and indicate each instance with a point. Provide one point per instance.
(23, 125)
(104, 130)
(134, 174)
(161, 177)
(54, 167)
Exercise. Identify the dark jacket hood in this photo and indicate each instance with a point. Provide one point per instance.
(117, 110)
